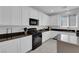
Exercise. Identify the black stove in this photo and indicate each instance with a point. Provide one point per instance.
(36, 37)
(32, 30)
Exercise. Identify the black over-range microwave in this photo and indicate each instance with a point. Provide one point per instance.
(33, 21)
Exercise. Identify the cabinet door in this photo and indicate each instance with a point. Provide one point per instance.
(26, 44)
(47, 20)
(12, 47)
(16, 16)
(33, 13)
(45, 36)
(5, 15)
(43, 19)
(25, 15)
(10, 15)
(53, 34)
(40, 18)
(2, 50)
(68, 33)
(73, 34)
(9, 46)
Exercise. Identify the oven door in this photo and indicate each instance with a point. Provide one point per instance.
(37, 40)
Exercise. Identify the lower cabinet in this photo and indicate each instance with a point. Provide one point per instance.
(69, 33)
(9, 46)
(53, 34)
(20, 45)
(26, 44)
(49, 34)
(45, 36)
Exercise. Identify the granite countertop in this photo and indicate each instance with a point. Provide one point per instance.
(68, 30)
(43, 30)
(70, 39)
(11, 36)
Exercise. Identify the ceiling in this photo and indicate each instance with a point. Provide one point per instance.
(51, 10)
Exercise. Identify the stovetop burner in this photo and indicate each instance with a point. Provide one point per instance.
(32, 30)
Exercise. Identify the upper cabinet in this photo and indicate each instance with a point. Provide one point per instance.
(5, 15)
(17, 15)
(40, 18)
(33, 13)
(43, 19)
(28, 12)
(25, 15)
(46, 20)
(10, 15)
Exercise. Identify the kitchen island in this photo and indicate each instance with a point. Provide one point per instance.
(67, 43)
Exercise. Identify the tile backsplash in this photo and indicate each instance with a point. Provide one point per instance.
(3, 30)
(13, 29)
(17, 29)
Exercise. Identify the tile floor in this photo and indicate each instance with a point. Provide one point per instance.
(50, 46)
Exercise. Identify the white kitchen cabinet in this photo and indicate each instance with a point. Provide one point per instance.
(26, 44)
(33, 13)
(19, 45)
(16, 16)
(43, 19)
(10, 15)
(48, 20)
(5, 15)
(45, 36)
(53, 33)
(40, 18)
(74, 34)
(28, 12)
(25, 15)
(10, 46)
(67, 33)
(2, 50)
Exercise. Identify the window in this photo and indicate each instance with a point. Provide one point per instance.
(68, 21)
(64, 21)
